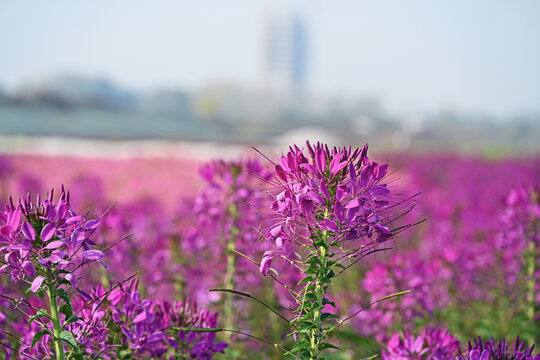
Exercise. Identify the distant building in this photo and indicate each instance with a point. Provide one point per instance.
(284, 52)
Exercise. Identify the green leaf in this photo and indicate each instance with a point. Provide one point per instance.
(325, 316)
(300, 346)
(73, 318)
(326, 301)
(306, 280)
(67, 336)
(305, 327)
(64, 296)
(38, 336)
(329, 346)
(63, 282)
(330, 274)
(66, 310)
(312, 269)
(39, 314)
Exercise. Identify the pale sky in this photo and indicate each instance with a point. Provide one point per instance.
(475, 56)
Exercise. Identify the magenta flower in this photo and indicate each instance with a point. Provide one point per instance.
(500, 350)
(431, 344)
(45, 235)
(338, 190)
(145, 328)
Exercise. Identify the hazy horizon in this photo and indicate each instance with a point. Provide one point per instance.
(414, 56)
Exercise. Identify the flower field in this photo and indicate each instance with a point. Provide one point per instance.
(314, 253)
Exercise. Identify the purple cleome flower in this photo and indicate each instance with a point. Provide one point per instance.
(146, 327)
(343, 180)
(47, 235)
(431, 344)
(500, 350)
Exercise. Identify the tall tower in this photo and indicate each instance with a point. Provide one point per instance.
(283, 52)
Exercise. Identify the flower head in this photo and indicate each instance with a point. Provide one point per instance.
(339, 191)
(432, 344)
(500, 350)
(47, 235)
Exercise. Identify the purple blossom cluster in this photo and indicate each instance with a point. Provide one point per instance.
(118, 324)
(500, 350)
(521, 230)
(147, 328)
(227, 212)
(47, 235)
(335, 190)
(132, 230)
(469, 252)
(431, 344)
(426, 279)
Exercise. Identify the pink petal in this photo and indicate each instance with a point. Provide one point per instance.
(36, 284)
(275, 231)
(92, 254)
(29, 268)
(72, 279)
(48, 232)
(335, 164)
(61, 209)
(54, 245)
(140, 318)
(265, 265)
(91, 224)
(77, 236)
(330, 225)
(316, 197)
(74, 219)
(352, 204)
(28, 231)
(14, 218)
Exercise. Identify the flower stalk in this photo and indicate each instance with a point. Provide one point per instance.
(231, 268)
(57, 327)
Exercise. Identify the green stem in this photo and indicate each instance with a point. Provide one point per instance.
(57, 328)
(316, 335)
(531, 306)
(229, 275)
(179, 283)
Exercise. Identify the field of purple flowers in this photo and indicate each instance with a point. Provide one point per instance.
(316, 253)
